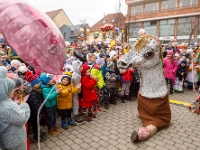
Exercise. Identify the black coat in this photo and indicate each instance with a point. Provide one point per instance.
(34, 101)
(180, 70)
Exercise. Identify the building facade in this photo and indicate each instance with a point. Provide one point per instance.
(59, 17)
(72, 32)
(117, 20)
(167, 19)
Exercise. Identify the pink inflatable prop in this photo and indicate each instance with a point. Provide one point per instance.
(33, 35)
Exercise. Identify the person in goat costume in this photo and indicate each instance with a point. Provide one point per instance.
(153, 100)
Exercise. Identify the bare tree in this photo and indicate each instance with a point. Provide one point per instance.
(119, 19)
(83, 21)
(188, 28)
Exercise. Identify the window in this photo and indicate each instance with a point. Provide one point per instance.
(188, 2)
(167, 27)
(150, 27)
(169, 4)
(199, 26)
(194, 2)
(134, 28)
(113, 20)
(64, 35)
(104, 21)
(149, 7)
(186, 26)
(137, 9)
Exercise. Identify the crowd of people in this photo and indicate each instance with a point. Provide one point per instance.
(89, 81)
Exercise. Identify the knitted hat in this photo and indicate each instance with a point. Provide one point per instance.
(186, 55)
(85, 68)
(112, 44)
(28, 73)
(100, 61)
(112, 53)
(101, 55)
(110, 64)
(183, 61)
(33, 79)
(15, 62)
(22, 70)
(18, 82)
(67, 75)
(170, 52)
(45, 78)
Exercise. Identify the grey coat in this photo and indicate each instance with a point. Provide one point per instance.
(13, 117)
(76, 79)
(111, 79)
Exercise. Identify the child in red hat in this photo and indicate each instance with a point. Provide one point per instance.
(89, 93)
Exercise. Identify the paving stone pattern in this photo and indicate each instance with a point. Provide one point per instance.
(112, 130)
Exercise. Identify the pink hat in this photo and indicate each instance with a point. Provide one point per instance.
(170, 52)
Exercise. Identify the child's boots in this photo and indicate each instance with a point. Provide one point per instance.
(71, 122)
(64, 124)
(52, 132)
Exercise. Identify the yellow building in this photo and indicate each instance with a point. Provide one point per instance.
(59, 17)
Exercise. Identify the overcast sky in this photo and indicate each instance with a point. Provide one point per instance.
(91, 10)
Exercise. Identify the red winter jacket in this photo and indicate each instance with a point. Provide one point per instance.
(127, 76)
(88, 88)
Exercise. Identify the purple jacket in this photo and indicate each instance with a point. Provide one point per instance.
(170, 69)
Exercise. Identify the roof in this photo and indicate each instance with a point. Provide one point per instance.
(76, 29)
(116, 19)
(53, 14)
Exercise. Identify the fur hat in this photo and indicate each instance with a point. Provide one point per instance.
(33, 79)
(112, 53)
(68, 68)
(110, 64)
(45, 78)
(100, 61)
(26, 88)
(85, 68)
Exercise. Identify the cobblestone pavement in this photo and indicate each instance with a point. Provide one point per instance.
(112, 130)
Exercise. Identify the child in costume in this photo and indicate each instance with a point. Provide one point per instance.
(111, 80)
(170, 68)
(64, 99)
(97, 73)
(192, 75)
(50, 93)
(180, 76)
(34, 101)
(126, 79)
(13, 116)
(76, 79)
(89, 93)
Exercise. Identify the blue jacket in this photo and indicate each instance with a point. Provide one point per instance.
(52, 95)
